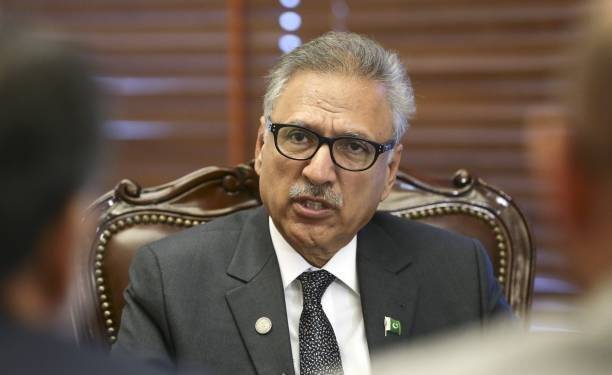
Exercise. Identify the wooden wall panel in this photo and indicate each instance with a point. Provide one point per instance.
(164, 66)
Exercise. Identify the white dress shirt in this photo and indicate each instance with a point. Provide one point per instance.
(341, 302)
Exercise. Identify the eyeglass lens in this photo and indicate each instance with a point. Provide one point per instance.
(349, 153)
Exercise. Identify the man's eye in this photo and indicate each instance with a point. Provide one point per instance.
(356, 147)
(297, 136)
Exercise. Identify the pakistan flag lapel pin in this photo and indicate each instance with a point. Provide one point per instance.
(392, 326)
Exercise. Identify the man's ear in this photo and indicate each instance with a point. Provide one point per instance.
(259, 144)
(392, 168)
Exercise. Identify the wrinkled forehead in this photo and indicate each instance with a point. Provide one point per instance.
(335, 101)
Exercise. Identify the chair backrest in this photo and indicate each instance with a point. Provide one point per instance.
(130, 216)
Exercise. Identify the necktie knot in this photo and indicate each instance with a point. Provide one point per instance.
(314, 285)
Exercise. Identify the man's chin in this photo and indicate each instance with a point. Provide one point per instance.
(308, 236)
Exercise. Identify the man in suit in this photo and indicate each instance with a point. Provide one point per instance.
(49, 129)
(315, 280)
(573, 160)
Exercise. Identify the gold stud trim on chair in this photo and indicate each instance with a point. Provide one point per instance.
(114, 227)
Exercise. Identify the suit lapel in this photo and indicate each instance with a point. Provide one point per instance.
(387, 285)
(262, 295)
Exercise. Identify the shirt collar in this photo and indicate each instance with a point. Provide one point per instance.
(343, 265)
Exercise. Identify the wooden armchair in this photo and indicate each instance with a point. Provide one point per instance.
(130, 216)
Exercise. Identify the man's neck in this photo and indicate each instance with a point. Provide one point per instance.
(317, 258)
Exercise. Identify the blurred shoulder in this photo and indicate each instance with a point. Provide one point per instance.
(30, 352)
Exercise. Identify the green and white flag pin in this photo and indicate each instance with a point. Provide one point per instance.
(392, 326)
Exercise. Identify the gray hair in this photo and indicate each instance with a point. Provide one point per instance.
(350, 54)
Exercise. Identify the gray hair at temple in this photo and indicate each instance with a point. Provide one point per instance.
(353, 55)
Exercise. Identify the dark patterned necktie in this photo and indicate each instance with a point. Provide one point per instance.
(319, 354)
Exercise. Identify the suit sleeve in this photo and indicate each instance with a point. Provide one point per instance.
(494, 304)
(144, 331)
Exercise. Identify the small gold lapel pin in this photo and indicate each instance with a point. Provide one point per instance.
(263, 325)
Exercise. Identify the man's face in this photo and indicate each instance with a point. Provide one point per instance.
(331, 105)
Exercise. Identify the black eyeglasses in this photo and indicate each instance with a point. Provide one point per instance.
(350, 153)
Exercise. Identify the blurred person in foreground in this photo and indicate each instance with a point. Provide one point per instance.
(49, 130)
(579, 172)
(305, 284)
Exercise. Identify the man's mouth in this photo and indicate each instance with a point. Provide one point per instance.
(313, 208)
(313, 205)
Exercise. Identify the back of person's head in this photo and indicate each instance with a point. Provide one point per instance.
(48, 134)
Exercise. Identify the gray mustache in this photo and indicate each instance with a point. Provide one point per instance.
(323, 192)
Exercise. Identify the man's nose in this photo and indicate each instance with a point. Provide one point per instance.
(321, 168)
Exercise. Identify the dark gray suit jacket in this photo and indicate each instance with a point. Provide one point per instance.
(195, 297)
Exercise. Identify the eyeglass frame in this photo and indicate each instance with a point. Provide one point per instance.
(379, 148)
